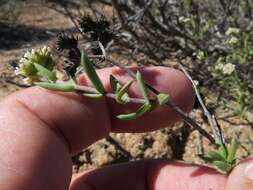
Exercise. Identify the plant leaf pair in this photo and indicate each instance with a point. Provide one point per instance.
(163, 98)
(120, 92)
(146, 107)
(67, 87)
(44, 72)
(91, 73)
(141, 111)
(224, 158)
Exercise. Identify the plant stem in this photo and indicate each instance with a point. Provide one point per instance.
(210, 117)
(85, 89)
(171, 104)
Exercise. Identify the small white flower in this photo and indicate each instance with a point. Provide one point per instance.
(233, 40)
(196, 82)
(27, 80)
(45, 50)
(32, 52)
(228, 69)
(21, 61)
(17, 71)
(27, 54)
(184, 20)
(232, 31)
(26, 66)
(219, 35)
(200, 55)
(219, 67)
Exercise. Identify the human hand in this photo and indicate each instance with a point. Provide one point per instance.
(40, 129)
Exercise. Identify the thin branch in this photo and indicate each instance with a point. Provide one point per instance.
(211, 122)
(171, 104)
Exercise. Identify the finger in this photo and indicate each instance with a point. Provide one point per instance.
(166, 80)
(241, 177)
(151, 175)
(82, 121)
(42, 127)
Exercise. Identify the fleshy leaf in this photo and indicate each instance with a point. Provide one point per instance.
(215, 156)
(92, 95)
(163, 98)
(114, 84)
(232, 150)
(44, 72)
(223, 166)
(68, 87)
(142, 86)
(91, 73)
(122, 96)
(223, 151)
(131, 116)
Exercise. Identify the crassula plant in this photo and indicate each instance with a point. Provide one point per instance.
(38, 67)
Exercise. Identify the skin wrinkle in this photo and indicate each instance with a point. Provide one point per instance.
(55, 129)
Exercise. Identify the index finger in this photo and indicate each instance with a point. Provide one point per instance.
(82, 121)
(43, 127)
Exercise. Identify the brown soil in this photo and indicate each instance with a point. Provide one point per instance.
(38, 26)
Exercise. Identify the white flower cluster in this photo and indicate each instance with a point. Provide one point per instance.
(26, 67)
(226, 69)
(232, 31)
(184, 20)
(233, 40)
(200, 55)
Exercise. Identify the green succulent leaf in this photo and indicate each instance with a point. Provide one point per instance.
(215, 156)
(223, 151)
(68, 87)
(44, 72)
(122, 95)
(91, 73)
(143, 88)
(131, 116)
(163, 98)
(114, 84)
(232, 150)
(223, 166)
(93, 95)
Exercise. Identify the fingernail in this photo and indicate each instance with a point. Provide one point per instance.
(249, 171)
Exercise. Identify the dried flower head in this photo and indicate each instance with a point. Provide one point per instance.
(26, 68)
(66, 42)
(98, 30)
(69, 44)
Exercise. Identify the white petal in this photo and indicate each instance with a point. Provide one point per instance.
(27, 54)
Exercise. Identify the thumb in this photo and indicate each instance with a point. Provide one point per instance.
(241, 177)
